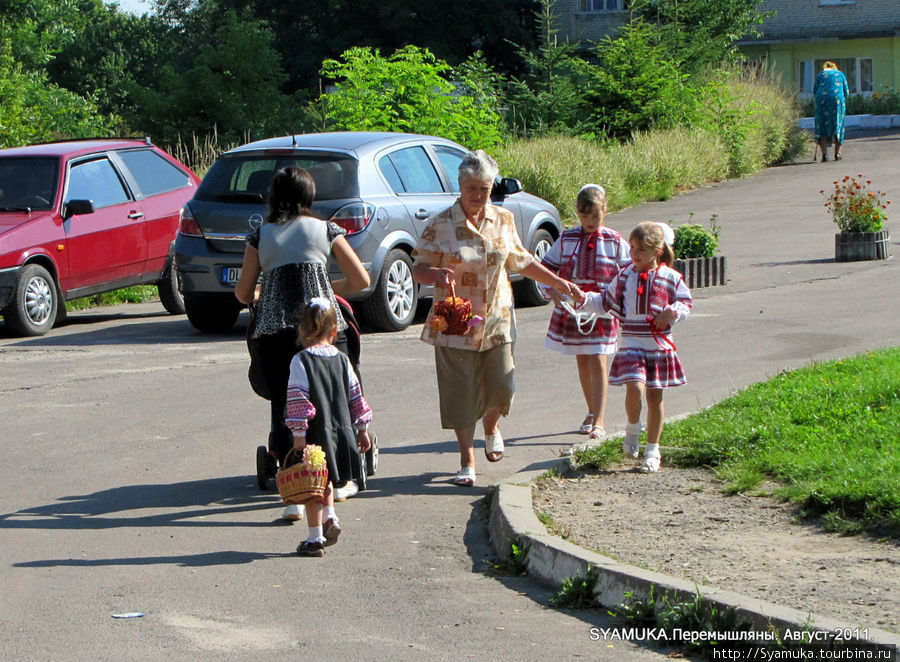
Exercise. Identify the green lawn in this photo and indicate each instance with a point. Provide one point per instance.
(138, 294)
(827, 434)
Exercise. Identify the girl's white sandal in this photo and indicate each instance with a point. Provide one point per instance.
(597, 432)
(493, 445)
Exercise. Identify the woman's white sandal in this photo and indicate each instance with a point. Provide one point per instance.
(465, 477)
(586, 424)
(597, 432)
(493, 445)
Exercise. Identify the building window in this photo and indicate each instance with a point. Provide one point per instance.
(594, 6)
(857, 70)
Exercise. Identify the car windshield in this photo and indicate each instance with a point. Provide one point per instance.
(27, 183)
(246, 178)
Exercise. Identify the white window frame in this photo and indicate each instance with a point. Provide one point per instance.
(807, 70)
(601, 6)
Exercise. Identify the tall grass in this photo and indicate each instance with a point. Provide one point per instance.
(748, 123)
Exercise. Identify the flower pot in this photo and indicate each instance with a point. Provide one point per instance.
(702, 271)
(854, 246)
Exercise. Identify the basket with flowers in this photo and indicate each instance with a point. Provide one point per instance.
(453, 315)
(304, 476)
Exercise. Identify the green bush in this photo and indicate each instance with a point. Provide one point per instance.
(407, 92)
(693, 240)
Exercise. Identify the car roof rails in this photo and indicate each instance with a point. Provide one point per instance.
(146, 140)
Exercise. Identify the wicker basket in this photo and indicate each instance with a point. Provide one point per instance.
(299, 483)
(456, 312)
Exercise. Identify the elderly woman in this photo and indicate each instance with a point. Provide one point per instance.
(470, 247)
(831, 92)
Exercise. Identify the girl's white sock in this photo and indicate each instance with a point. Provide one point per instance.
(652, 450)
(329, 513)
(633, 428)
(315, 534)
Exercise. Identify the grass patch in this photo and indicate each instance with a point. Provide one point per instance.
(577, 592)
(137, 294)
(827, 434)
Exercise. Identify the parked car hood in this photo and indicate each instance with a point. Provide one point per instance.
(11, 220)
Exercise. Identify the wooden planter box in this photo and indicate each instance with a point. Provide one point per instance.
(855, 246)
(702, 271)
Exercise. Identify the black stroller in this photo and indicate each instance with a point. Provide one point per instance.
(265, 471)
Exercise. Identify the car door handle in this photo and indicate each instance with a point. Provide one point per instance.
(136, 215)
(422, 214)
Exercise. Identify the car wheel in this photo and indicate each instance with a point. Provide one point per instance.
(211, 314)
(392, 305)
(33, 309)
(526, 290)
(170, 291)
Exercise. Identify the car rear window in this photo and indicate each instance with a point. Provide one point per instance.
(28, 182)
(153, 173)
(246, 178)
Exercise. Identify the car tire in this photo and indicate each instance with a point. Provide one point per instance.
(33, 309)
(392, 305)
(211, 314)
(526, 290)
(169, 290)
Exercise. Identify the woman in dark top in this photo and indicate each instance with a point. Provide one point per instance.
(287, 258)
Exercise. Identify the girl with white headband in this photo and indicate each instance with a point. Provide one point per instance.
(589, 256)
(648, 297)
(326, 407)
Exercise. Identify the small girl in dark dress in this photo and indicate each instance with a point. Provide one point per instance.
(326, 407)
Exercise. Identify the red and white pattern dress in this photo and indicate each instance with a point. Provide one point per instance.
(645, 354)
(591, 261)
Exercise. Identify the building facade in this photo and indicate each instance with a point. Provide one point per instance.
(861, 36)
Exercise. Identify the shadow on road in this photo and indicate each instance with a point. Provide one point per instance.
(196, 503)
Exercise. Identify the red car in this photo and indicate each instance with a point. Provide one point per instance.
(82, 217)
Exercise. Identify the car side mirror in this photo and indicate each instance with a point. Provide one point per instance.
(78, 207)
(505, 186)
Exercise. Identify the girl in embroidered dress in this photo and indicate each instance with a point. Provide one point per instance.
(590, 257)
(325, 406)
(648, 297)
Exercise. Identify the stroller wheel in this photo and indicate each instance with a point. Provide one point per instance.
(372, 457)
(263, 470)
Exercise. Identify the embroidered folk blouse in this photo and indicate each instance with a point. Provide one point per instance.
(299, 409)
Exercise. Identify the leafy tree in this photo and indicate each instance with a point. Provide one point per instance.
(307, 32)
(110, 56)
(232, 83)
(700, 33)
(33, 110)
(549, 97)
(634, 87)
(410, 91)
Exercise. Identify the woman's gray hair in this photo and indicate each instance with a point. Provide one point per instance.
(478, 165)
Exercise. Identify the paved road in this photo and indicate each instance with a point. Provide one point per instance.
(128, 443)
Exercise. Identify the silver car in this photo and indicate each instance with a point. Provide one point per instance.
(380, 187)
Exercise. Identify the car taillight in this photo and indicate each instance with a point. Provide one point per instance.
(187, 225)
(354, 217)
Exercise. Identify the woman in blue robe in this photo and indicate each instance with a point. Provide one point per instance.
(831, 92)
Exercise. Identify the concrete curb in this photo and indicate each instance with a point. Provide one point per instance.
(550, 560)
(861, 122)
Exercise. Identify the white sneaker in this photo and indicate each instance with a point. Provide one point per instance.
(347, 491)
(651, 459)
(292, 513)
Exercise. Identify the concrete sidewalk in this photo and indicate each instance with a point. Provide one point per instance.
(786, 303)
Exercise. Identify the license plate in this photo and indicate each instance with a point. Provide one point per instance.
(230, 275)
